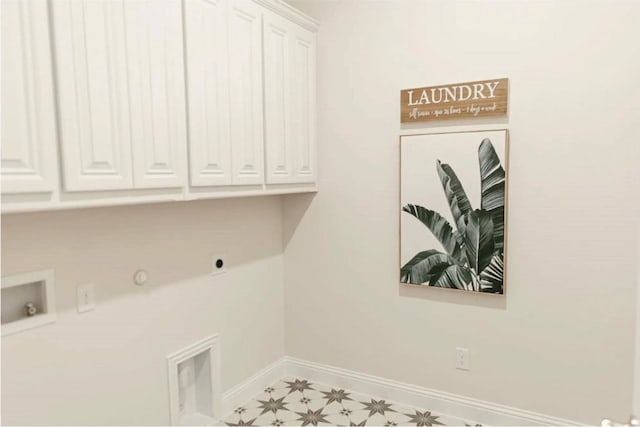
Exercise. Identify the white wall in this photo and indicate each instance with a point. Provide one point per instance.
(108, 366)
(561, 341)
(636, 389)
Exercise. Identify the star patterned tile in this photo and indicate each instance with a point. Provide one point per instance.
(300, 402)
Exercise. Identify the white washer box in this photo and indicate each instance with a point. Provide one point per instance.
(194, 385)
(35, 288)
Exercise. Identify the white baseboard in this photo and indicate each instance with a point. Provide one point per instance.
(251, 387)
(454, 405)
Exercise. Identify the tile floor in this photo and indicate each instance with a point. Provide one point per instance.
(299, 402)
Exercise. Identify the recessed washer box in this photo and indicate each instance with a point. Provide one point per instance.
(194, 383)
(28, 301)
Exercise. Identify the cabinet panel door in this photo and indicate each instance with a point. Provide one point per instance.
(157, 93)
(304, 102)
(245, 71)
(278, 42)
(208, 92)
(90, 53)
(28, 118)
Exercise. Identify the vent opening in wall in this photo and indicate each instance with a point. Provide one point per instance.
(27, 301)
(194, 386)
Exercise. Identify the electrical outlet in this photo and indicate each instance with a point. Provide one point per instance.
(86, 298)
(218, 264)
(462, 358)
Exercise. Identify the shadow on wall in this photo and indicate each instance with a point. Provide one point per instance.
(455, 296)
(296, 205)
(173, 242)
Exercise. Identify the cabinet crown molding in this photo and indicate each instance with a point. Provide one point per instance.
(289, 12)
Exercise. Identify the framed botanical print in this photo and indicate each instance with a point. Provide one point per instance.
(453, 197)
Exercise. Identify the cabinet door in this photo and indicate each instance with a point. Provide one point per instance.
(28, 118)
(208, 90)
(278, 43)
(245, 71)
(304, 105)
(156, 90)
(93, 100)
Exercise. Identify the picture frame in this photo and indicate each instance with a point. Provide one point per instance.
(453, 193)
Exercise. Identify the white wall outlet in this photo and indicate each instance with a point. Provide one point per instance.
(462, 358)
(86, 298)
(219, 264)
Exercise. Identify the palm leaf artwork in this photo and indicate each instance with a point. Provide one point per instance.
(473, 257)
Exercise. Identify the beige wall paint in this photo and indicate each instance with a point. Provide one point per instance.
(561, 341)
(108, 366)
(636, 388)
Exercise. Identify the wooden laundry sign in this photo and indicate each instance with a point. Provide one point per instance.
(455, 101)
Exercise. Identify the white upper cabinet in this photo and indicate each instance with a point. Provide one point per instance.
(289, 58)
(245, 80)
(157, 93)
(208, 92)
(278, 68)
(156, 100)
(121, 93)
(28, 116)
(93, 98)
(238, 52)
(304, 105)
